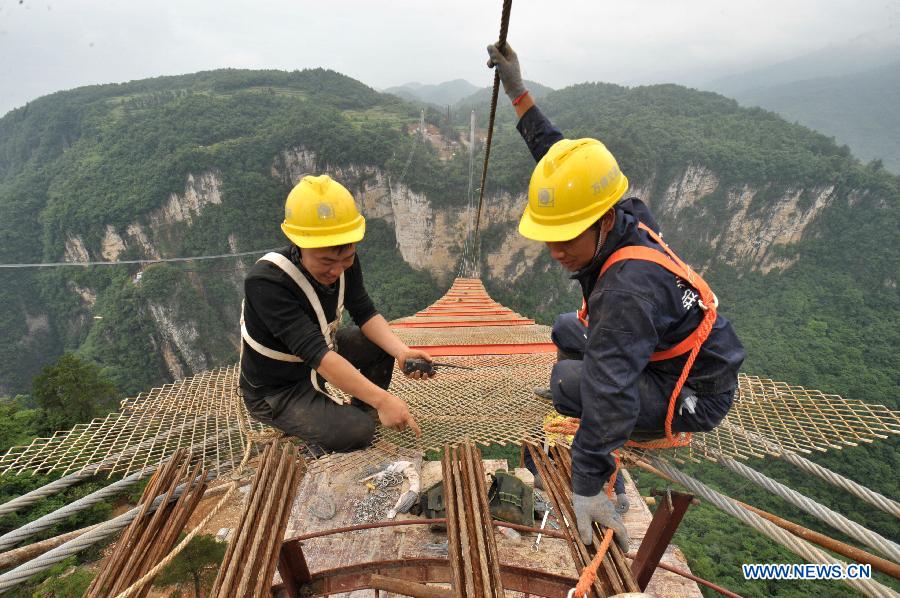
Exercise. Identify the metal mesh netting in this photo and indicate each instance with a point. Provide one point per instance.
(203, 412)
(494, 335)
(493, 403)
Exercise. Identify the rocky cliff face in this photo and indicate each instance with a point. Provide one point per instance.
(200, 191)
(745, 231)
(753, 227)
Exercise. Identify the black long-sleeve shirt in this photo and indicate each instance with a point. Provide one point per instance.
(279, 316)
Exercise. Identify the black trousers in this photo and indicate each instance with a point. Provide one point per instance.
(302, 411)
(654, 389)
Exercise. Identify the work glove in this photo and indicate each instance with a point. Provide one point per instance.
(599, 508)
(507, 64)
(622, 504)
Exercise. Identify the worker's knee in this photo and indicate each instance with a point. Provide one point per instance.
(565, 386)
(569, 336)
(371, 360)
(354, 430)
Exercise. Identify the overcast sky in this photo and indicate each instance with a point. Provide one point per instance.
(46, 45)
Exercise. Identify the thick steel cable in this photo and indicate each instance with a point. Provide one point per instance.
(21, 573)
(796, 545)
(44, 491)
(875, 499)
(145, 261)
(12, 538)
(867, 494)
(501, 45)
(463, 265)
(28, 530)
(835, 520)
(64, 482)
(90, 537)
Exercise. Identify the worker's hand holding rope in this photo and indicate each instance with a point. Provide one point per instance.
(599, 508)
(507, 64)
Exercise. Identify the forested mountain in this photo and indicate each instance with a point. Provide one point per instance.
(440, 94)
(845, 90)
(797, 237)
(860, 109)
(793, 230)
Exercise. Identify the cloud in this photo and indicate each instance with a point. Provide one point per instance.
(48, 46)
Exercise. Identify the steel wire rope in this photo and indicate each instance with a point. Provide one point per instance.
(143, 261)
(470, 201)
(867, 494)
(832, 518)
(872, 497)
(11, 539)
(796, 545)
(86, 472)
(150, 261)
(501, 45)
(24, 571)
(28, 530)
(470, 195)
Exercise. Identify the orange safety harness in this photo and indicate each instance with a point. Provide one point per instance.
(690, 344)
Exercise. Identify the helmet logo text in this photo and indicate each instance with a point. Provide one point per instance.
(607, 179)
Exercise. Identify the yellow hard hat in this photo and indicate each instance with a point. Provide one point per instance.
(320, 212)
(574, 184)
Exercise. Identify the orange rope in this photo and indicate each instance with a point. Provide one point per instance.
(589, 573)
(611, 485)
(670, 441)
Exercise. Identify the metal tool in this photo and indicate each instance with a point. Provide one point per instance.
(428, 367)
(537, 541)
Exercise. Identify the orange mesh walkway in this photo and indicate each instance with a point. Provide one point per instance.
(466, 321)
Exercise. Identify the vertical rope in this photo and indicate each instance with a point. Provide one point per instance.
(501, 45)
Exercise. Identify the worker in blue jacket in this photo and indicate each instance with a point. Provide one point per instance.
(646, 317)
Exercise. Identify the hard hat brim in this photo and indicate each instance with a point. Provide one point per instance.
(312, 240)
(536, 231)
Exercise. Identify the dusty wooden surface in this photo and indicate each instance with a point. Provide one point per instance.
(341, 485)
(664, 583)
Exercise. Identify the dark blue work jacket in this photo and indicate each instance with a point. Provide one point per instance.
(636, 308)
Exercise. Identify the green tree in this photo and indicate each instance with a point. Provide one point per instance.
(202, 554)
(18, 424)
(70, 583)
(72, 391)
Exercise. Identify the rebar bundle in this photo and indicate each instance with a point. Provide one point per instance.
(252, 554)
(149, 538)
(614, 575)
(474, 563)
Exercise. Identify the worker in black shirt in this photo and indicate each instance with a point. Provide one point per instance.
(294, 300)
